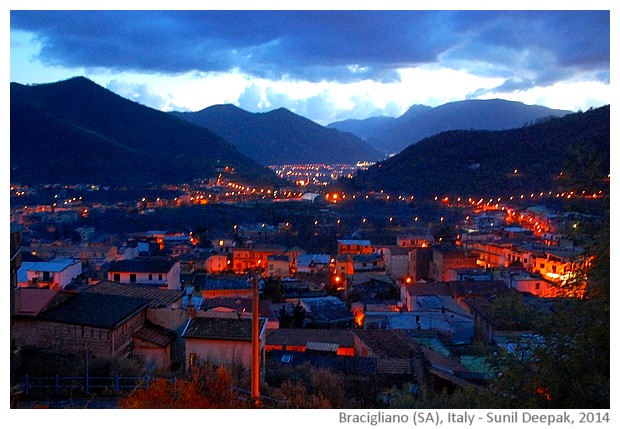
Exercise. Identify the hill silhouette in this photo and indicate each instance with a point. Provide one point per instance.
(392, 135)
(533, 158)
(281, 137)
(75, 131)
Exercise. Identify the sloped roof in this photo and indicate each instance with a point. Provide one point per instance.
(216, 328)
(32, 300)
(238, 304)
(479, 288)
(155, 334)
(156, 297)
(361, 278)
(430, 288)
(226, 283)
(300, 337)
(94, 309)
(388, 343)
(56, 265)
(142, 265)
(326, 309)
(361, 366)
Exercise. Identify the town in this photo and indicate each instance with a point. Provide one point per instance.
(382, 295)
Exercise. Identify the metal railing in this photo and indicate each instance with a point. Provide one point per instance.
(63, 385)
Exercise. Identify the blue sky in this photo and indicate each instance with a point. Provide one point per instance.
(326, 65)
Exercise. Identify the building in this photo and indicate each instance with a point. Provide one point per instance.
(258, 233)
(236, 308)
(254, 257)
(313, 263)
(72, 322)
(446, 258)
(300, 340)
(161, 272)
(396, 260)
(368, 262)
(54, 274)
(354, 247)
(278, 266)
(226, 286)
(419, 263)
(91, 256)
(215, 264)
(415, 240)
(222, 340)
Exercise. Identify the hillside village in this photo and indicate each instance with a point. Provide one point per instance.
(420, 311)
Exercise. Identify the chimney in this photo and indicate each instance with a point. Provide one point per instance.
(191, 309)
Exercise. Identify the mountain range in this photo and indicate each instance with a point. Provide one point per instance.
(572, 152)
(75, 131)
(282, 137)
(392, 135)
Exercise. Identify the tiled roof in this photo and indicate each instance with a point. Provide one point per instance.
(32, 300)
(432, 288)
(224, 283)
(216, 328)
(354, 242)
(326, 309)
(93, 309)
(156, 298)
(238, 304)
(361, 278)
(300, 337)
(278, 257)
(361, 366)
(479, 288)
(142, 265)
(155, 334)
(388, 343)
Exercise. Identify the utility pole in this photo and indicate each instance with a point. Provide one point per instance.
(255, 342)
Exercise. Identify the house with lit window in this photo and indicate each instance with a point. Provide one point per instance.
(253, 257)
(91, 256)
(355, 247)
(217, 263)
(161, 272)
(415, 240)
(527, 282)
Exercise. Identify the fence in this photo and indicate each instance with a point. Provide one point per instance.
(63, 386)
(86, 385)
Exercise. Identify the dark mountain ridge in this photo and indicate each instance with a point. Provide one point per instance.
(75, 131)
(281, 137)
(391, 135)
(483, 163)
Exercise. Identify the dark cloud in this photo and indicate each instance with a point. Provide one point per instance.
(541, 46)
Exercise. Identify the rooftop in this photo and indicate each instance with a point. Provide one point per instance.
(142, 265)
(155, 297)
(216, 328)
(94, 309)
(301, 337)
(56, 265)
